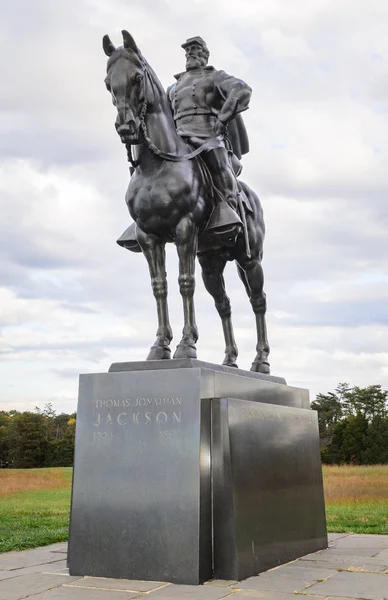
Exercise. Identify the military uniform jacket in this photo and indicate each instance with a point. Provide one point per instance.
(203, 92)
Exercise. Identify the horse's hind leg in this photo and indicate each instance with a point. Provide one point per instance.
(213, 265)
(154, 252)
(251, 273)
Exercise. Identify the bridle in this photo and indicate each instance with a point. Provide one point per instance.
(210, 144)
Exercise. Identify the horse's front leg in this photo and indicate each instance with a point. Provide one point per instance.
(186, 237)
(154, 251)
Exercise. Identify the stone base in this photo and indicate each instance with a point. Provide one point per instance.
(163, 459)
(268, 505)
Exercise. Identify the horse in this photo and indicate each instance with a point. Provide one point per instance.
(169, 199)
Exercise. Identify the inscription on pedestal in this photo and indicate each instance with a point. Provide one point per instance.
(257, 413)
(163, 412)
(145, 517)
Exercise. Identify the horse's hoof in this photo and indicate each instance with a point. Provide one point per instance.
(229, 362)
(185, 351)
(261, 367)
(159, 353)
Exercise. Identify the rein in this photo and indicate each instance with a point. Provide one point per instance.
(210, 144)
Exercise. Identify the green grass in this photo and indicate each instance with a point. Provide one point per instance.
(36, 517)
(360, 518)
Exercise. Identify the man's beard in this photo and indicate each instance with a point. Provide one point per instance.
(193, 62)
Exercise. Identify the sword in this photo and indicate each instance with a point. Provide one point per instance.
(244, 221)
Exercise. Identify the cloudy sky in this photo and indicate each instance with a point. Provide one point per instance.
(72, 301)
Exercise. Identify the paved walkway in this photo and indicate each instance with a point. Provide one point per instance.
(354, 566)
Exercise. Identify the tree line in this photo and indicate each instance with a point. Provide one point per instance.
(353, 428)
(353, 425)
(36, 439)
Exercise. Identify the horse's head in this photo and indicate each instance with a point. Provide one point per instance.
(125, 82)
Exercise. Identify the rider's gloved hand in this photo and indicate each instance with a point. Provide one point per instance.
(219, 128)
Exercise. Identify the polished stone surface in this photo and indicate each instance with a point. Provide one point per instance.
(142, 506)
(267, 487)
(336, 586)
(218, 381)
(189, 363)
(141, 495)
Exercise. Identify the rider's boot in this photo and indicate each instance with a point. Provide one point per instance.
(224, 223)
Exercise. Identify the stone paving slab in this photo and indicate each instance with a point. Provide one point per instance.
(68, 593)
(345, 563)
(8, 575)
(369, 586)
(58, 567)
(267, 595)
(221, 582)
(331, 552)
(61, 547)
(41, 574)
(30, 584)
(364, 541)
(335, 536)
(286, 579)
(128, 585)
(267, 584)
(28, 558)
(58, 547)
(64, 571)
(190, 592)
(303, 572)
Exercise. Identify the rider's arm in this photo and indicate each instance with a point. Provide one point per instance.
(236, 94)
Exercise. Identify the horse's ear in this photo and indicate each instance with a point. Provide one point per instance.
(109, 48)
(129, 42)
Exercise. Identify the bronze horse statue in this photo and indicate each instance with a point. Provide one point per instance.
(170, 200)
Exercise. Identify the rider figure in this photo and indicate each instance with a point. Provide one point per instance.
(206, 104)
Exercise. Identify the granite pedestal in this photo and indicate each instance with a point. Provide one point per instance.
(186, 470)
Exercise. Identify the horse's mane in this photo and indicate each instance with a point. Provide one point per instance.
(140, 61)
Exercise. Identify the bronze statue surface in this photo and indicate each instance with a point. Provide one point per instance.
(184, 147)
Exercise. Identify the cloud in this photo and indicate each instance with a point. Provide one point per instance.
(73, 301)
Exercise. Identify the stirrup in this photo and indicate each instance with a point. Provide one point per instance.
(223, 220)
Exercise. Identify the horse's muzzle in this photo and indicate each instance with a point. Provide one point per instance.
(128, 133)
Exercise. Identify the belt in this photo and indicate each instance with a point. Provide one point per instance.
(196, 118)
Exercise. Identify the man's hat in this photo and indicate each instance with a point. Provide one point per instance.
(196, 40)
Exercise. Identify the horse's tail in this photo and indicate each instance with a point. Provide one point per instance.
(253, 205)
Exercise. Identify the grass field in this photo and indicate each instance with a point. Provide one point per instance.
(356, 499)
(34, 503)
(34, 507)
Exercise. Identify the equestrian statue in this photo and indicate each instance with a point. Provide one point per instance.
(184, 147)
